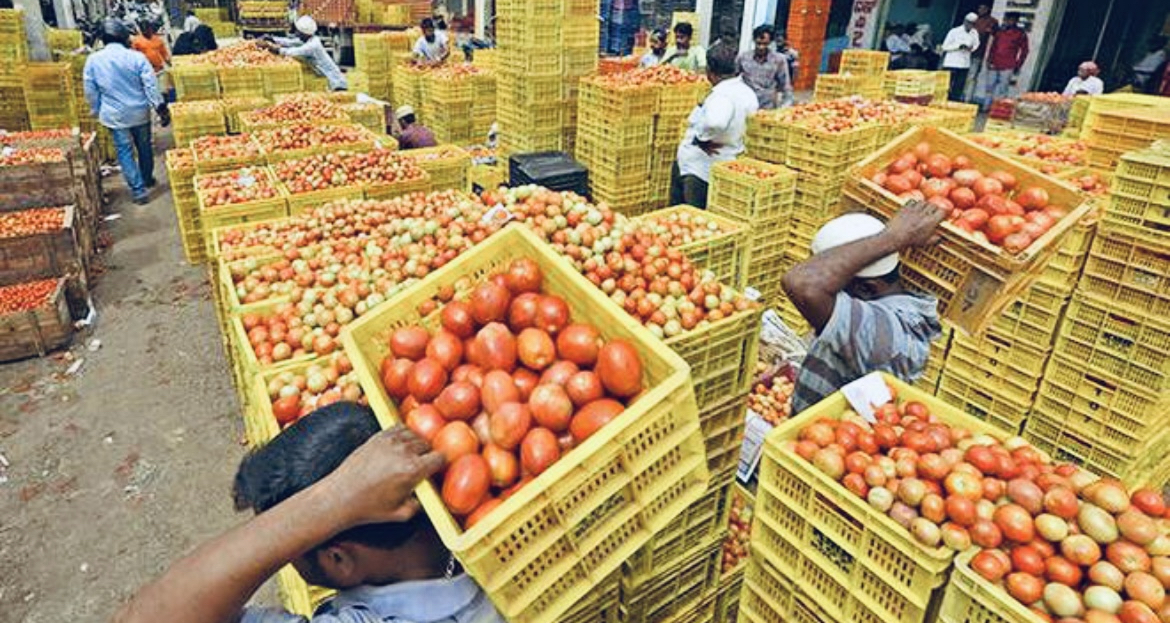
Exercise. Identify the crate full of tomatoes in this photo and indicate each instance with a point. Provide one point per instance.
(572, 433)
(34, 318)
(1005, 220)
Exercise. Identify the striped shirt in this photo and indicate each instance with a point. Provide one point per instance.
(891, 334)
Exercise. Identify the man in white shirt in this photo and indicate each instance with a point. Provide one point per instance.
(897, 45)
(715, 128)
(307, 47)
(191, 23)
(961, 41)
(1086, 81)
(431, 48)
(657, 51)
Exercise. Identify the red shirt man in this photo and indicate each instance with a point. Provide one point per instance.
(1009, 48)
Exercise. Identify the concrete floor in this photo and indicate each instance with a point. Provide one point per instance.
(116, 470)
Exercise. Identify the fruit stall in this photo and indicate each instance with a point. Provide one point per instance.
(610, 377)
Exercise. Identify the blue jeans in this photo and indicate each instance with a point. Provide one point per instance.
(137, 172)
(999, 81)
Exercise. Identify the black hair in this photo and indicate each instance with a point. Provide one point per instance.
(440, 23)
(205, 38)
(685, 29)
(408, 119)
(762, 30)
(427, 23)
(890, 277)
(114, 31)
(307, 451)
(1157, 43)
(721, 59)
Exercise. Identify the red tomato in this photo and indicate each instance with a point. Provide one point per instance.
(963, 197)
(985, 186)
(1060, 570)
(1015, 523)
(539, 450)
(1025, 588)
(592, 417)
(993, 204)
(466, 484)
(454, 440)
(1003, 177)
(898, 184)
(937, 187)
(620, 368)
(939, 165)
(1149, 502)
(990, 566)
(1027, 560)
(1000, 226)
(1033, 198)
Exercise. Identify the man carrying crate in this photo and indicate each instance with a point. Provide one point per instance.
(851, 293)
(334, 497)
(307, 47)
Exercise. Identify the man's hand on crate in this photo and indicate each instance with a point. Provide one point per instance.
(915, 224)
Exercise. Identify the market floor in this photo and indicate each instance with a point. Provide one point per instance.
(110, 473)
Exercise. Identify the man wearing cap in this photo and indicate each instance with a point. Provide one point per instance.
(657, 51)
(307, 47)
(851, 294)
(412, 134)
(961, 41)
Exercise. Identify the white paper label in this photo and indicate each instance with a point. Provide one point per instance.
(751, 294)
(753, 445)
(497, 214)
(866, 394)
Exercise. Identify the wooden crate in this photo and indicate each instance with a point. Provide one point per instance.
(37, 185)
(37, 331)
(52, 254)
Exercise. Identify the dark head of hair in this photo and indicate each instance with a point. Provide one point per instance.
(721, 60)
(684, 29)
(114, 31)
(190, 11)
(148, 28)
(407, 120)
(308, 451)
(427, 23)
(440, 23)
(762, 30)
(205, 37)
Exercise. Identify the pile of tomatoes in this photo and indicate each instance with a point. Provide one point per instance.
(746, 167)
(346, 168)
(298, 108)
(1091, 183)
(31, 155)
(242, 54)
(1071, 546)
(683, 227)
(181, 159)
(645, 76)
(772, 400)
(303, 136)
(1082, 549)
(1033, 145)
(221, 147)
(21, 297)
(989, 206)
(847, 113)
(737, 545)
(31, 222)
(1048, 97)
(239, 186)
(506, 385)
(22, 136)
(295, 394)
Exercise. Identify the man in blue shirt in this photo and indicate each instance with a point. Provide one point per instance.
(121, 90)
(333, 497)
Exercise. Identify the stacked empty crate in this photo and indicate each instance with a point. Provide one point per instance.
(375, 56)
(49, 95)
(807, 22)
(1113, 127)
(13, 57)
(541, 57)
(862, 73)
(461, 103)
(628, 129)
(1103, 400)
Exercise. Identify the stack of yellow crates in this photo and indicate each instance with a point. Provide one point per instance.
(49, 96)
(453, 92)
(1104, 399)
(1117, 123)
(675, 103)
(371, 57)
(541, 56)
(615, 128)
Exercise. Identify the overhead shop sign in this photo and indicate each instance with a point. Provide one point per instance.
(863, 23)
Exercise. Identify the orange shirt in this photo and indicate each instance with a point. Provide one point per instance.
(155, 49)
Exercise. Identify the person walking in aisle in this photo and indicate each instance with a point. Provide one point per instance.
(961, 41)
(715, 129)
(1009, 50)
(766, 71)
(152, 45)
(121, 90)
(307, 47)
(684, 54)
(852, 295)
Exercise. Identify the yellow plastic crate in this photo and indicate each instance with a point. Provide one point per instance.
(1032, 318)
(972, 280)
(748, 198)
(721, 355)
(566, 531)
(246, 212)
(195, 82)
(980, 401)
(856, 563)
(1130, 270)
(970, 598)
(769, 597)
(929, 380)
(601, 605)
(617, 104)
(278, 79)
(297, 596)
(303, 202)
(1069, 443)
(243, 359)
(673, 590)
(207, 162)
(447, 165)
(767, 137)
(1132, 347)
(702, 524)
(1101, 407)
(864, 62)
(723, 253)
(397, 189)
(829, 153)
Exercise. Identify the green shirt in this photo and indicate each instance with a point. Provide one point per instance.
(694, 59)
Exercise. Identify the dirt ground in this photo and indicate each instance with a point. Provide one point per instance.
(112, 471)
